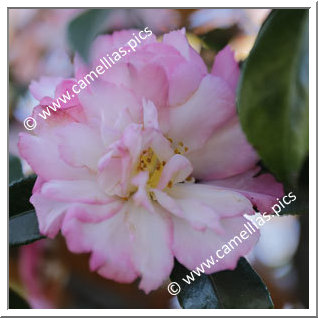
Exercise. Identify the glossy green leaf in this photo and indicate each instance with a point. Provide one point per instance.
(217, 39)
(23, 224)
(84, 28)
(273, 94)
(24, 229)
(301, 191)
(199, 294)
(19, 196)
(241, 288)
(15, 169)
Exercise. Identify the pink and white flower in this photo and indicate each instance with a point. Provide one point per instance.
(149, 164)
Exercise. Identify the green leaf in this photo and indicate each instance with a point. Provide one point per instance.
(16, 301)
(273, 94)
(23, 224)
(19, 196)
(301, 191)
(217, 39)
(24, 229)
(15, 169)
(241, 288)
(84, 28)
(199, 294)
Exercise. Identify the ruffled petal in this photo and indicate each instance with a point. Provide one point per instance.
(85, 191)
(104, 44)
(45, 87)
(226, 153)
(141, 197)
(50, 214)
(202, 206)
(105, 101)
(226, 67)
(209, 107)
(64, 91)
(80, 145)
(108, 241)
(176, 170)
(150, 83)
(198, 214)
(150, 115)
(183, 82)
(151, 246)
(178, 40)
(204, 244)
(42, 154)
(262, 190)
(115, 167)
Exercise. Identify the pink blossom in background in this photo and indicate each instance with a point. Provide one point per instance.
(37, 43)
(31, 272)
(38, 37)
(158, 20)
(149, 164)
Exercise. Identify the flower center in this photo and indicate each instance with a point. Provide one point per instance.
(179, 147)
(151, 163)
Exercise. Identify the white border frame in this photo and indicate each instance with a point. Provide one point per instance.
(312, 164)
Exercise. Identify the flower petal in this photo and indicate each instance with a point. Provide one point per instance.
(50, 214)
(42, 154)
(177, 169)
(183, 82)
(45, 87)
(208, 108)
(225, 203)
(64, 89)
(204, 244)
(150, 83)
(226, 67)
(152, 239)
(198, 214)
(178, 40)
(105, 101)
(263, 190)
(108, 241)
(141, 197)
(84, 191)
(80, 145)
(201, 205)
(225, 154)
(150, 115)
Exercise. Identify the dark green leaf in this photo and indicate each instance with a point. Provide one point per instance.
(23, 224)
(84, 28)
(241, 288)
(15, 169)
(16, 301)
(273, 94)
(199, 294)
(217, 39)
(301, 191)
(24, 228)
(19, 196)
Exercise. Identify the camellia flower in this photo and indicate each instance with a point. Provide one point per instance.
(148, 163)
